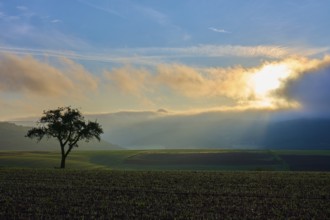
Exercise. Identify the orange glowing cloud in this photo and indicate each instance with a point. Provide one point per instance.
(256, 87)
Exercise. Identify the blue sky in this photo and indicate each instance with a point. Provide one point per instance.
(185, 56)
(121, 24)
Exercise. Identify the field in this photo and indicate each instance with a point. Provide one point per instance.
(220, 160)
(105, 194)
(165, 184)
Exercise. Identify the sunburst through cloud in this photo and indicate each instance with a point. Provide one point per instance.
(134, 58)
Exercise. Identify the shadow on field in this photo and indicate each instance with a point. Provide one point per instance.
(213, 159)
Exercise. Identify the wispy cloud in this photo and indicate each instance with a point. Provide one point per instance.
(26, 27)
(102, 8)
(163, 20)
(157, 55)
(9, 18)
(154, 15)
(231, 51)
(262, 51)
(41, 38)
(25, 12)
(115, 57)
(219, 30)
(22, 8)
(56, 21)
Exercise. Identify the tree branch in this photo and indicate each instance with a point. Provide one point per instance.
(69, 150)
(69, 137)
(76, 140)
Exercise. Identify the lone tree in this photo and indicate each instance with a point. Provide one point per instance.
(68, 126)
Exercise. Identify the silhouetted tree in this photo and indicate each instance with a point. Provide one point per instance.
(68, 126)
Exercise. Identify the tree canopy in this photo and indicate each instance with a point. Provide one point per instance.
(68, 126)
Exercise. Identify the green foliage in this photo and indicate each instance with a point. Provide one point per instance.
(12, 137)
(68, 126)
(228, 160)
(101, 194)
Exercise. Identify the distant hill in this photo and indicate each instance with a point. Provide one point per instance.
(298, 134)
(12, 137)
(236, 130)
(216, 130)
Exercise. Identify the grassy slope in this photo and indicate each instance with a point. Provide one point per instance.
(118, 160)
(26, 159)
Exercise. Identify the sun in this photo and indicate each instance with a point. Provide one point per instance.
(266, 80)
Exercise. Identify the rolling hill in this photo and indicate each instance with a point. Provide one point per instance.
(215, 130)
(236, 130)
(12, 137)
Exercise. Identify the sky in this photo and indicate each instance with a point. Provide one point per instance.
(185, 57)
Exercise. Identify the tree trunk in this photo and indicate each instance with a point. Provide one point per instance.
(63, 162)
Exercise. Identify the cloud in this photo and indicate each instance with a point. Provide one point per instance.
(102, 8)
(219, 30)
(154, 15)
(276, 85)
(79, 75)
(56, 21)
(25, 12)
(154, 56)
(31, 28)
(267, 51)
(163, 20)
(128, 79)
(183, 79)
(27, 75)
(131, 81)
(116, 57)
(311, 90)
(168, 81)
(9, 18)
(29, 85)
(22, 8)
(248, 88)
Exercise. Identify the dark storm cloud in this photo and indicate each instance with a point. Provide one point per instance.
(312, 91)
